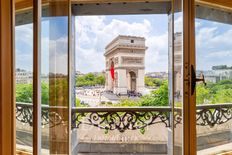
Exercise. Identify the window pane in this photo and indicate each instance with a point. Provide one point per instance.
(24, 76)
(54, 77)
(213, 29)
(121, 79)
(178, 77)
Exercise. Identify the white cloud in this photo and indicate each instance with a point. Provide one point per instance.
(220, 54)
(95, 32)
(24, 47)
(214, 37)
(222, 38)
(22, 57)
(58, 54)
(157, 53)
(213, 45)
(24, 34)
(205, 36)
(213, 42)
(89, 60)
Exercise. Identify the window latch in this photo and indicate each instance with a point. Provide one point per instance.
(194, 79)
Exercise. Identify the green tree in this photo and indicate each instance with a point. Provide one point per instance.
(149, 82)
(100, 80)
(215, 92)
(223, 96)
(24, 93)
(45, 93)
(90, 77)
(158, 97)
(202, 94)
(90, 80)
(152, 82)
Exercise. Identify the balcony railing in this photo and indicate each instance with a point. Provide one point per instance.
(125, 118)
(121, 119)
(213, 114)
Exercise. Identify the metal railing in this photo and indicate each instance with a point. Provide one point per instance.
(213, 114)
(125, 118)
(121, 118)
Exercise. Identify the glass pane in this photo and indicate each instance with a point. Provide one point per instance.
(178, 77)
(24, 76)
(122, 88)
(170, 81)
(54, 77)
(213, 29)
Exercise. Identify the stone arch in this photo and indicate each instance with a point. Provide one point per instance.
(132, 81)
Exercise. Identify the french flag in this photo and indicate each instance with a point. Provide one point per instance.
(112, 71)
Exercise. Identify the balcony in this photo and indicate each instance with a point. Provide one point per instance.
(136, 130)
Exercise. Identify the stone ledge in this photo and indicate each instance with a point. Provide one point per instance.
(122, 148)
(213, 140)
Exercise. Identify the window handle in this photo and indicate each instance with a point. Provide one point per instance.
(194, 79)
(201, 79)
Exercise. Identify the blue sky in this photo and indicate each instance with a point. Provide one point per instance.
(93, 33)
(213, 44)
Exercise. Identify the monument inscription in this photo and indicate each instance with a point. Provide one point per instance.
(132, 60)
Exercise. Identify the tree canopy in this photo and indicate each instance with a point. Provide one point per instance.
(90, 80)
(24, 93)
(213, 93)
(157, 97)
(152, 82)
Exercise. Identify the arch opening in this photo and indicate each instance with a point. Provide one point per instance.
(132, 81)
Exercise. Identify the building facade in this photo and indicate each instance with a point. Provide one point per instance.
(125, 65)
(217, 73)
(23, 76)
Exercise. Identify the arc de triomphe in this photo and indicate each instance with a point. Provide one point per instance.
(125, 69)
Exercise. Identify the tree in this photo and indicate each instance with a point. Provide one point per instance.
(158, 97)
(45, 93)
(223, 96)
(90, 80)
(24, 93)
(90, 77)
(152, 82)
(220, 92)
(202, 94)
(100, 79)
(149, 82)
